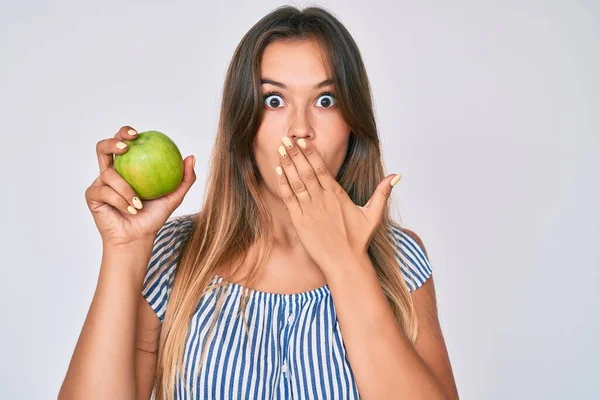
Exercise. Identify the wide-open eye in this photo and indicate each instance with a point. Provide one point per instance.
(327, 100)
(273, 100)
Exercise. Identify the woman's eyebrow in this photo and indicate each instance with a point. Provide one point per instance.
(326, 82)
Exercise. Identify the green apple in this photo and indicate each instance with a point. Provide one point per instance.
(152, 165)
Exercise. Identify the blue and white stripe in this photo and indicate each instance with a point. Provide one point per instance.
(295, 348)
(414, 264)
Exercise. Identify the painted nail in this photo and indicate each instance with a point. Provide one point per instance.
(131, 210)
(396, 179)
(302, 143)
(121, 145)
(287, 142)
(132, 132)
(282, 151)
(137, 203)
(279, 171)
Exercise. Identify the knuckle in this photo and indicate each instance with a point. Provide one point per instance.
(298, 187)
(288, 198)
(321, 170)
(106, 173)
(109, 176)
(308, 175)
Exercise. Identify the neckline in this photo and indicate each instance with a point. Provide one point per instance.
(319, 292)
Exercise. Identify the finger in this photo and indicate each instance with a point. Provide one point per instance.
(304, 170)
(376, 204)
(126, 133)
(111, 178)
(103, 194)
(105, 150)
(324, 177)
(286, 192)
(293, 181)
(189, 177)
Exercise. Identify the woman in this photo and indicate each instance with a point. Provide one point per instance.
(292, 281)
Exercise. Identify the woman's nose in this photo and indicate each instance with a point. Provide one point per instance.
(300, 126)
(307, 136)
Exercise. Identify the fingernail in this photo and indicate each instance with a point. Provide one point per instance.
(132, 132)
(286, 140)
(137, 203)
(193, 161)
(279, 171)
(282, 151)
(131, 210)
(302, 143)
(396, 179)
(121, 145)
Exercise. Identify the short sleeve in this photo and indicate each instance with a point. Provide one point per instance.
(412, 258)
(161, 267)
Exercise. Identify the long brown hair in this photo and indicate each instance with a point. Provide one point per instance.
(234, 217)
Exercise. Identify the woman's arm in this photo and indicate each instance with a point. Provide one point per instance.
(430, 344)
(102, 365)
(146, 349)
(385, 363)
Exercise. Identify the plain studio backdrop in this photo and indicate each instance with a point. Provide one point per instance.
(489, 109)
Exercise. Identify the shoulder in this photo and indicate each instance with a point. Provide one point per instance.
(417, 240)
(411, 255)
(163, 261)
(177, 224)
(169, 238)
(173, 230)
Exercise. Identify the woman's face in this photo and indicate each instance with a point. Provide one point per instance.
(298, 110)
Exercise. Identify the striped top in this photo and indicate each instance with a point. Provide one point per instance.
(295, 348)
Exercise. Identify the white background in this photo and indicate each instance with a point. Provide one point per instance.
(490, 110)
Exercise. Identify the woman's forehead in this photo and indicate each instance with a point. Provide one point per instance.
(294, 65)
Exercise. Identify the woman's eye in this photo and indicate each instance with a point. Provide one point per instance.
(327, 101)
(274, 102)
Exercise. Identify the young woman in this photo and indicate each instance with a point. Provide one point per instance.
(292, 281)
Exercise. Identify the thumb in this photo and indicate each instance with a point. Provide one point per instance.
(381, 195)
(189, 177)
